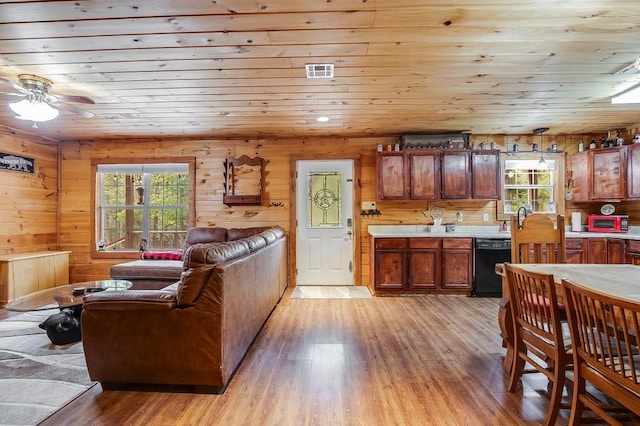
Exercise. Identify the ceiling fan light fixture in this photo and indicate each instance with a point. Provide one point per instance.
(37, 112)
(631, 96)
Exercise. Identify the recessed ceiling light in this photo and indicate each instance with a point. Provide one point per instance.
(319, 70)
(322, 119)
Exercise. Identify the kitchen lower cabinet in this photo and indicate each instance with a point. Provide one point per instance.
(606, 250)
(390, 259)
(597, 251)
(423, 265)
(576, 250)
(425, 258)
(615, 250)
(633, 252)
(457, 262)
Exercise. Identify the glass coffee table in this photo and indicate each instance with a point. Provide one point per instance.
(64, 296)
(64, 327)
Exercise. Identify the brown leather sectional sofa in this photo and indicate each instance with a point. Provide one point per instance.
(194, 332)
(146, 274)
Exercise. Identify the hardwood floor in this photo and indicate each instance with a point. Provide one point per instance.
(414, 360)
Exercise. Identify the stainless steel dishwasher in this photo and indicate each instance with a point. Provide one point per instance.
(488, 252)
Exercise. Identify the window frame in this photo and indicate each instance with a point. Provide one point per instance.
(558, 179)
(95, 196)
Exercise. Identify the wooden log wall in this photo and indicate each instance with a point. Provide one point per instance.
(29, 201)
(32, 225)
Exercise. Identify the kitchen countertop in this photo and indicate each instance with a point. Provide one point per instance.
(489, 231)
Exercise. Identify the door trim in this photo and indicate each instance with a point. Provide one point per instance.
(293, 212)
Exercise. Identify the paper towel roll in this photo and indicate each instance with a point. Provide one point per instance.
(576, 219)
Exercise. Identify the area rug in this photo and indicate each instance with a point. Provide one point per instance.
(37, 378)
(331, 292)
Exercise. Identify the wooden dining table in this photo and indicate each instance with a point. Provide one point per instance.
(619, 280)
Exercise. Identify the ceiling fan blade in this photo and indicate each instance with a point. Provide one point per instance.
(66, 107)
(14, 85)
(73, 98)
(22, 95)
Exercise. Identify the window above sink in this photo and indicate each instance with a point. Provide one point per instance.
(528, 183)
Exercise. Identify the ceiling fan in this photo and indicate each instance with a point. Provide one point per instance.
(39, 105)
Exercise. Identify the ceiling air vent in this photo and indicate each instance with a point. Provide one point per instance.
(319, 70)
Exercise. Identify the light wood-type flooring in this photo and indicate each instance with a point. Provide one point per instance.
(412, 360)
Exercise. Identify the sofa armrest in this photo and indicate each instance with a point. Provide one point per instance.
(131, 300)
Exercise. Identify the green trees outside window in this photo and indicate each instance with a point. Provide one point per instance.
(142, 206)
(528, 184)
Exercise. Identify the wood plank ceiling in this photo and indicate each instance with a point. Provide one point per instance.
(235, 68)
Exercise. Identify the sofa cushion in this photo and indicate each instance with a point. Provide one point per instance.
(147, 269)
(269, 235)
(255, 242)
(191, 284)
(204, 234)
(239, 233)
(214, 253)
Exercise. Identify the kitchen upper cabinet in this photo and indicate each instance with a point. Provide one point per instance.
(456, 175)
(438, 175)
(392, 176)
(599, 174)
(607, 174)
(580, 176)
(486, 175)
(633, 172)
(424, 175)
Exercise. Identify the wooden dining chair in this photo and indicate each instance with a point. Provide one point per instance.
(604, 335)
(538, 337)
(537, 240)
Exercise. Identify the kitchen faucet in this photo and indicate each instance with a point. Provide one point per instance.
(525, 211)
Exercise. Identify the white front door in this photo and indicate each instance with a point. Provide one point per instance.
(324, 244)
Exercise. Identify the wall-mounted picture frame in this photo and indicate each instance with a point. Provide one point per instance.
(17, 163)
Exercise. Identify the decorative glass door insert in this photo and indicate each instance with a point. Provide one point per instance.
(325, 200)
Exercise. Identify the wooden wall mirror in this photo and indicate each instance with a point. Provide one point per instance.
(243, 180)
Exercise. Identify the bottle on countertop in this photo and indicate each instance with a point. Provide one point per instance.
(504, 226)
(580, 145)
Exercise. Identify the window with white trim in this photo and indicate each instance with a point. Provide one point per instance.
(142, 206)
(529, 184)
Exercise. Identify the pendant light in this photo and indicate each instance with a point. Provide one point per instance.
(542, 164)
